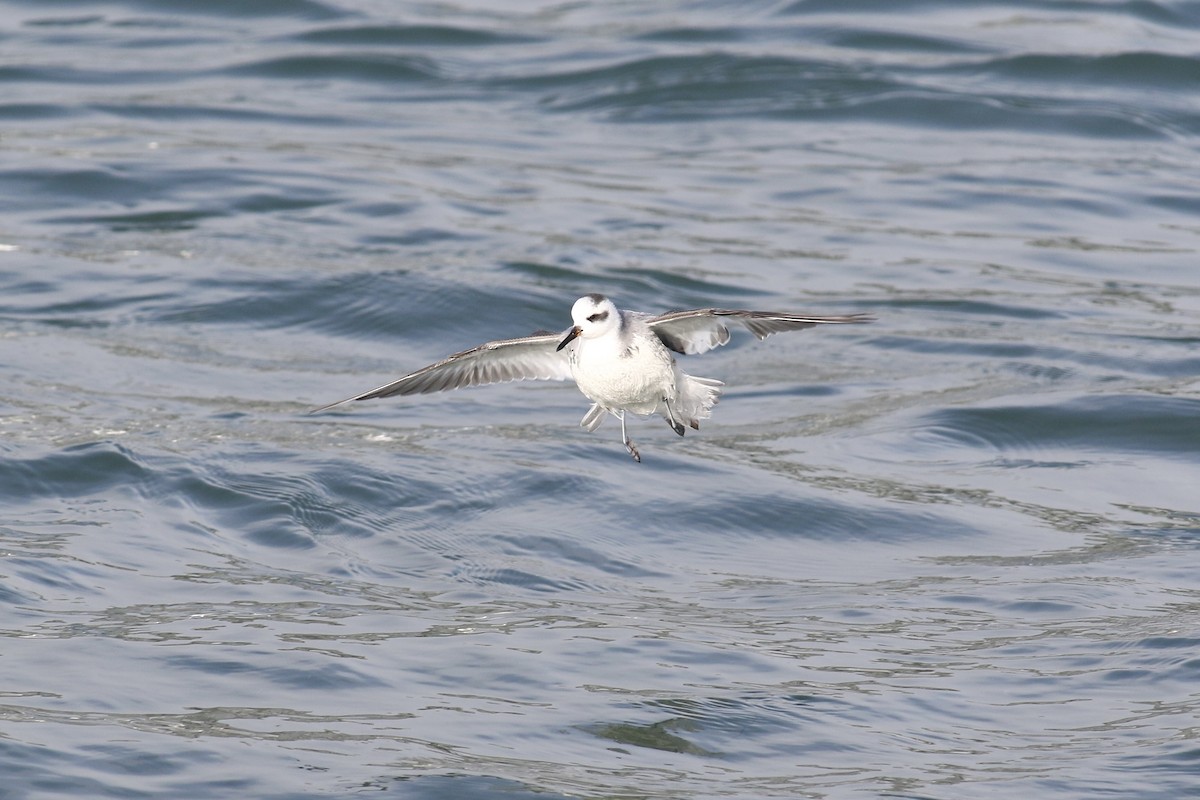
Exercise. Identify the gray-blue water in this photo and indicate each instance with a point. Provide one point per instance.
(952, 554)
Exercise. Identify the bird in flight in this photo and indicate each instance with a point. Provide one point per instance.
(623, 361)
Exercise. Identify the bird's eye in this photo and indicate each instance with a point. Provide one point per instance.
(599, 317)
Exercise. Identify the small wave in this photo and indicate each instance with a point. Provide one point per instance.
(717, 85)
(1150, 424)
(410, 36)
(1143, 70)
(378, 67)
(73, 472)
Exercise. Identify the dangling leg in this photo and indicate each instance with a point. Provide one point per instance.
(592, 419)
(633, 451)
(675, 424)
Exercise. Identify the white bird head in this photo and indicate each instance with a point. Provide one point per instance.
(594, 315)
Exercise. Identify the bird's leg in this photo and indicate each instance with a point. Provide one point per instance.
(675, 424)
(633, 451)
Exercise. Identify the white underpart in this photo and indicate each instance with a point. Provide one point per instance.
(620, 364)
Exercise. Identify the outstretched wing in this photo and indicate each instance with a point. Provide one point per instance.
(527, 358)
(701, 330)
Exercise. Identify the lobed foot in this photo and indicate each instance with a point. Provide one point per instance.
(633, 451)
(675, 424)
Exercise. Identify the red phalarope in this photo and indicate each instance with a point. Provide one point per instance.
(620, 360)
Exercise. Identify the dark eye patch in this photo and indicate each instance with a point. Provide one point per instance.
(599, 317)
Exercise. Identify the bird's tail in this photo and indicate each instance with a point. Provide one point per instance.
(694, 401)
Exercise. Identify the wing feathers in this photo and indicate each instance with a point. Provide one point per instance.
(527, 358)
(535, 357)
(701, 330)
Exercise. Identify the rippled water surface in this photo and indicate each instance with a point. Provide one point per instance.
(952, 554)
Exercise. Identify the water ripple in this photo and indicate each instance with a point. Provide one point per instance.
(381, 67)
(411, 35)
(892, 556)
(1146, 424)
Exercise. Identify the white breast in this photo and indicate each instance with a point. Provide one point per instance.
(635, 377)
